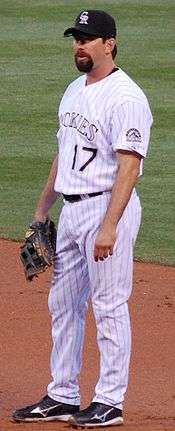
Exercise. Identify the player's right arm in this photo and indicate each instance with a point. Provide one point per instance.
(48, 195)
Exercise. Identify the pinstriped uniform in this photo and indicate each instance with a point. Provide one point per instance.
(95, 121)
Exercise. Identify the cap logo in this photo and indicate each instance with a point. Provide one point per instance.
(84, 18)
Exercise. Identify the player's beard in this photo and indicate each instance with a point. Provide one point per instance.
(84, 63)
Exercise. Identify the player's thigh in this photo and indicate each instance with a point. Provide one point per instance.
(111, 279)
(70, 280)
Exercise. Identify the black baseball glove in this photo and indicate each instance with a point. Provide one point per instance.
(38, 251)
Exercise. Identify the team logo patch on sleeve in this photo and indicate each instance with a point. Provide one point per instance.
(133, 135)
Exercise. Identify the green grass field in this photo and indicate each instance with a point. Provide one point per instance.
(36, 66)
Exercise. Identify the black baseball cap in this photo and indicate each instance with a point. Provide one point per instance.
(93, 22)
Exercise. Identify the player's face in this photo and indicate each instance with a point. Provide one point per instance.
(89, 52)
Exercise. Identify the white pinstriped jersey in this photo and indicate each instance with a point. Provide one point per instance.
(95, 121)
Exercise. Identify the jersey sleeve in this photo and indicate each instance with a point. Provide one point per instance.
(130, 127)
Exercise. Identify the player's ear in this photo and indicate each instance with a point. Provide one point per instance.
(109, 45)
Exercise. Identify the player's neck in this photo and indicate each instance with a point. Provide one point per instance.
(99, 73)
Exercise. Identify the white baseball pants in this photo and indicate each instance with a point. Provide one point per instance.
(109, 283)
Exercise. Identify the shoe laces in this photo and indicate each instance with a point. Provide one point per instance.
(47, 401)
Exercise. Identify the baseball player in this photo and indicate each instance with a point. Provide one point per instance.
(103, 137)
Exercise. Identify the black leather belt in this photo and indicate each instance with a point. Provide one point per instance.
(76, 198)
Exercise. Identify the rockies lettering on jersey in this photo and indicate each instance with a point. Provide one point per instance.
(76, 120)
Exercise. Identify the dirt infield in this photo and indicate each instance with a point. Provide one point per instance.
(25, 343)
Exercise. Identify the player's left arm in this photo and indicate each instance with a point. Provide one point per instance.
(127, 176)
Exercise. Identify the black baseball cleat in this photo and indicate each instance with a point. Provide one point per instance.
(45, 410)
(97, 415)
